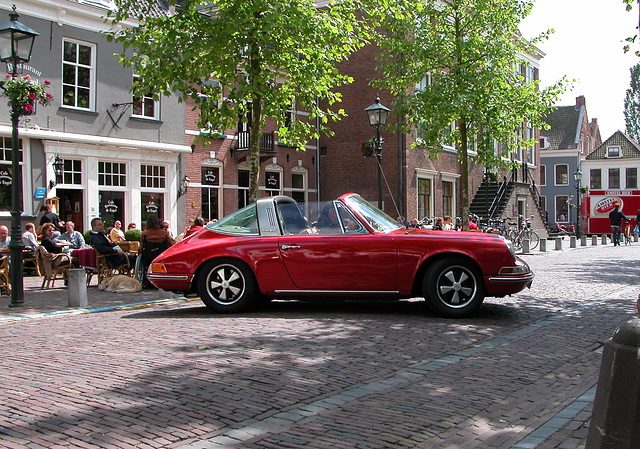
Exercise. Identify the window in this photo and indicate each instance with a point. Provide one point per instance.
(529, 136)
(632, 178)
(595, 178)
(562, 174)
(424, 198)
(562, 208)
(112, 174)
(6, 175)
(420, 87)
(78, 73)
(243, 188)
(210, 193)
(614, 152)
(144, 106)
(272, 183)
(152, 204)
(299, 187)
(72, 171)
(447, 198)
(152, 176)
(543, 175)
(614, 178)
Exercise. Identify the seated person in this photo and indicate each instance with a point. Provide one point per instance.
(4, 237)
(156, 232)
(102, 244)
(198, 224)
(29, 240)
(328, 221)
(116, 235)
(72, 236)
(55, 246)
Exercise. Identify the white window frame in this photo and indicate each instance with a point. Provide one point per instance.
(298, 170)
(279, 170)
(159, 178)
(214, 163)
(76, 65)
(555, 174)
(555, 208)
(143, 100)
(543, 175)
(431, 176)
(112, 186)
(452, 178)
(610, 149)
(72, 172)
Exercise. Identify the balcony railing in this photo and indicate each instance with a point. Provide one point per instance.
(266, 142)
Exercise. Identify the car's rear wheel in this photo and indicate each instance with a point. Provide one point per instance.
(453, 287)
(226, 286)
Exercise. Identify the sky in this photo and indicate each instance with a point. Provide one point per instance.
(587, 46)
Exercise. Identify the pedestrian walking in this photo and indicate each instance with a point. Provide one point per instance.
(615, 217)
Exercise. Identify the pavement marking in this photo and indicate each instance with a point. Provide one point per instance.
(98, 309)
(235, 437)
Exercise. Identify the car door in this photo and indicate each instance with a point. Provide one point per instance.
(351, 260)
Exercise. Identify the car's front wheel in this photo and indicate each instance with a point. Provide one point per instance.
(226, 286)
(453, 287)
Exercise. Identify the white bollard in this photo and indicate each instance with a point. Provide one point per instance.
(573, 243)
(594, 240)
(77, 288)
(558, 244)
(543, 245)
(583, 240)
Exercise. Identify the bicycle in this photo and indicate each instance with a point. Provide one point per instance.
(524, 232)
(627, 233)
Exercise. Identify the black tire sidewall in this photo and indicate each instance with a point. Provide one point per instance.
(246, 299)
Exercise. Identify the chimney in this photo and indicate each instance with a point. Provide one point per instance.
(580, 101)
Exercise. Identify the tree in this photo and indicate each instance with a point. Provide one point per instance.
(470, 50)
(632, 105)
(235, 58)
(631, 39)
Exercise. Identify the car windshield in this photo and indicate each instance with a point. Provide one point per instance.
(243, 221)
(373, 216)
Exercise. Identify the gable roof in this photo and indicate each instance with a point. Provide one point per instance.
(630, 148)
(565, 122)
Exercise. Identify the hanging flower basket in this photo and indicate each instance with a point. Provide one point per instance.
(584, 189)
(367, 147)
(25, 93)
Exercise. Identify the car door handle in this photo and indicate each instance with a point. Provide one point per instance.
(284, 247)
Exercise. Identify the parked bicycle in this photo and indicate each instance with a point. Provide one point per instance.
(522, 233)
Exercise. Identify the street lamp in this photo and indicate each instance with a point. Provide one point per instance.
(378, 115)
(16, 44)
(58, 167)
(577, 176)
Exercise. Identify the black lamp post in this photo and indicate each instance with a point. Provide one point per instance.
(16, 43)
(378, 115)
(577, 176)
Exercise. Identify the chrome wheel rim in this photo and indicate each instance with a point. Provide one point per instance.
(225, 284)
(456, 287)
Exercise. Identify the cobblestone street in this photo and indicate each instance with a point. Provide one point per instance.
(520, 374)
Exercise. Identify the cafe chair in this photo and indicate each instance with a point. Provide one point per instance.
(31, 263)
(104, 271)
(5, 277)
(54, 266)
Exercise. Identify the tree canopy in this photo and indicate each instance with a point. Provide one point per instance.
(258, 58)
(632, 105)
(471, 51)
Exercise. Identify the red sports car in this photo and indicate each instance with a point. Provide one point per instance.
(277, 248)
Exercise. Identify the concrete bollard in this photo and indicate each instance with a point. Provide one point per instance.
(543, 245)
(558, 244)
(583, 240)
(615, 420)
(526, 245)
(594, 240)
(635, 237)
(604, 239)
(573, 243)
(77, 288)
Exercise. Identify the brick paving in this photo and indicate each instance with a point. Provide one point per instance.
(166, 373)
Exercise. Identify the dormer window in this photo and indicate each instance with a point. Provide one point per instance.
(613, 152)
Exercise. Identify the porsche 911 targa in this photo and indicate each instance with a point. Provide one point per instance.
(277, 248)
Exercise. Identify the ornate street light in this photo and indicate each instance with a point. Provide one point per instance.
(577, 176)
(16, 44)
(378, 115)
(184, 185)
(58, 166)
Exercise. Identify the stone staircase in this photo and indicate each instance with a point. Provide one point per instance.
(490, 200)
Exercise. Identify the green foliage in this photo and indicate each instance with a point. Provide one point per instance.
(25, 92)
(470, 49)
(632, 105)
(631, 39)
(266, 57)
(132, 235)
(87, 237)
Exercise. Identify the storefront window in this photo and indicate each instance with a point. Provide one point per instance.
(243, 188)
(72, 172)
(6, 177)
(210, 193)
(112, 174)
(111, 208)
(152, 204)
(152, 176)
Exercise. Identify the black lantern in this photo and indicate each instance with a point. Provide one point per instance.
(16, 44)
(378, 115)
(577, 176)
(58, 165)
(184, 185)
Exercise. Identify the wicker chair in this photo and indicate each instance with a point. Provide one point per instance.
(104, 271)
(5, 277)
(54, 266)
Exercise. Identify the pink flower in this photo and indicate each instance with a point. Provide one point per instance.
(46, 83)
(27, 77)
(49, 95)
(32, 96)
(28, 107)
(7, 76)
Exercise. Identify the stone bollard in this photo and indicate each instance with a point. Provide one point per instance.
(573, 243)
(635, 237)
(543, 245)
(583, 240)
(594, 240)
(604, 239)
(77, 288)
(526, 245)
(615, 420)
(558, 244)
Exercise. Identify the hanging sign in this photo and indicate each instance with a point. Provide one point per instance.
(111, 207)
(40, 193)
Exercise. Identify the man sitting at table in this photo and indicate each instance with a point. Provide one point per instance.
(74, 237)
(101, 243)
(54, 246)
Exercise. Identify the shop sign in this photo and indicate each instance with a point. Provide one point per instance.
(40, 193)
(151, 207)
(5, 178)
(111, 207)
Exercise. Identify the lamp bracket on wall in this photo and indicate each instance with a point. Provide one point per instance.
(114, 107)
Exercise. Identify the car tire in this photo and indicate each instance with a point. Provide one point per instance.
(453, 287)
(227, 286)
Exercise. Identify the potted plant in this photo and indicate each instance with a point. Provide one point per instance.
(132, 237)
(584, 189)
(25, 93)
(367, 147)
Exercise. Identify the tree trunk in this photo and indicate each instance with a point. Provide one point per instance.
(255, 131)
(464, 174)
